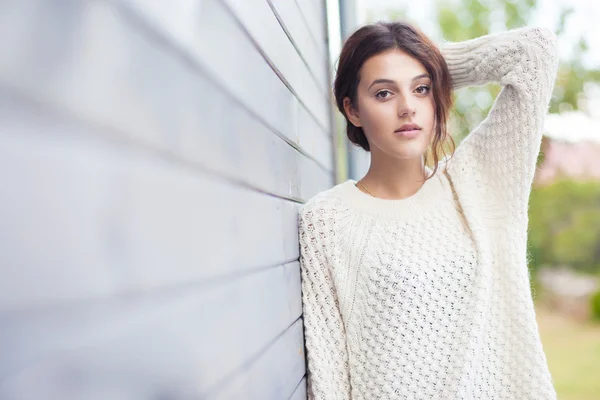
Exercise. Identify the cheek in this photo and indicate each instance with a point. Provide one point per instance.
(428, 107)
(428, 113)
(380, 115)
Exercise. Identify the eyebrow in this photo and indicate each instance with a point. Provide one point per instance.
(376, 81)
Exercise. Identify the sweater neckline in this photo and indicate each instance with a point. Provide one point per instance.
(430, 193)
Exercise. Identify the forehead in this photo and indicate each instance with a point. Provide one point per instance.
(392, 64)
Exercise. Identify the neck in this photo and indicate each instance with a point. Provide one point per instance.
(389, 178)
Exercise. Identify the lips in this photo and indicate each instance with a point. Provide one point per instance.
(408, 131)
(408, 127)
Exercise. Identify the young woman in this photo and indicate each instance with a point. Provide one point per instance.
(414, 278)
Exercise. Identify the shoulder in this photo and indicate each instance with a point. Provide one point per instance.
(326, 212)
(325, 202)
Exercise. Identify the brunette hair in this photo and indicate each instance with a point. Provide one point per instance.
(377, 38)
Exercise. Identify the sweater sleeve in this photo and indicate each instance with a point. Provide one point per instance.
(500, 154)
(328, 375)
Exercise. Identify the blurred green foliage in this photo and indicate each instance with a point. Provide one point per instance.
(564, 226)
(466, 19)
(595, 305)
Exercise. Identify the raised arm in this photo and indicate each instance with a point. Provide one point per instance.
(328, 376)
(500, 154)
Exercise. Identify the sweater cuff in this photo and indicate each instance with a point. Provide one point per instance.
(460, 64)
(460, 59)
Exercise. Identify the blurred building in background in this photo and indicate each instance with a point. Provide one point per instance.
(570, 147)
(580, 161)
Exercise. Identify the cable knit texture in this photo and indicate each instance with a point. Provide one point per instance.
(428, 297)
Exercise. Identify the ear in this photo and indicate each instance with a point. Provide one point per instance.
(351, 113)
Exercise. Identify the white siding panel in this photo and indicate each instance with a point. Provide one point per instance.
(313, 12)
(274, 375)
(235, 62)
(258, 19)
(101, 220)
(139, 347)
(154, 156)
(300, 392)
(290, 16)
(141, 89)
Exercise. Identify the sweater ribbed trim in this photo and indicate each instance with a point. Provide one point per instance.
(431, 193)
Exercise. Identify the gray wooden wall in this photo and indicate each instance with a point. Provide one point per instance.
(153, 158)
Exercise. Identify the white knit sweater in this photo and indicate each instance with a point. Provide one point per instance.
(428, 297)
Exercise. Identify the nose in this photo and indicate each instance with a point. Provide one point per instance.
(406, 108)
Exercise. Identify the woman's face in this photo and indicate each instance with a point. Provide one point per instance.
(394, 90)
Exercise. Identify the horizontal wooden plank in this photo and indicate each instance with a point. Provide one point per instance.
(314, 14)
(320, 147)
(242, 69)
(262, 25)
(247, 149)
(116, 218)
(243, 150)
(300, 392)
(289, 16)
(117, 77)
(245, 316)
(180, 342)
(274, 375)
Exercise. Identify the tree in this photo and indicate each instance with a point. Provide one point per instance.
(564, 225)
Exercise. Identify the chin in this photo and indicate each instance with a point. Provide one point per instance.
(407, 151)
(405, 155)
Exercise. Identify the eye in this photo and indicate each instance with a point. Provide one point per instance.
(383, 92)
(423, 89)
